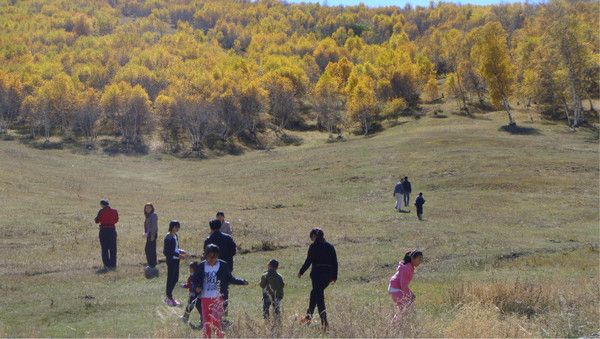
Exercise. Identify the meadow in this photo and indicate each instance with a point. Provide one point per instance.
(510, 234)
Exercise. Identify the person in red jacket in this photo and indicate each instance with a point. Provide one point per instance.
(107, 218)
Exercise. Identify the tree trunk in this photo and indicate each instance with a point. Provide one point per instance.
(591, 104)
(511, 120)
(567, 112)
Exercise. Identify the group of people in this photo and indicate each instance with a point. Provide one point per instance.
(209, 280)
(402, 192)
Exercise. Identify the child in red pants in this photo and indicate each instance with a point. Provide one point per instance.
(211, 281)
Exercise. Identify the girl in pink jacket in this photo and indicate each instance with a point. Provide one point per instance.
(401, 294)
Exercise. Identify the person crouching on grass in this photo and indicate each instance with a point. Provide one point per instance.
(172, 253)
(211, 281)
(193, 300)
(398, 288)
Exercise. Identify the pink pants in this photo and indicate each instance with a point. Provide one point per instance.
(212, 312)
(403, 303)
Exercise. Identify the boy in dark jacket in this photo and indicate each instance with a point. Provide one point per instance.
(211, 281)
(419, 204)
(272, 285)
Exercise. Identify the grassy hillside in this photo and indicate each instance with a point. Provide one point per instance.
(510, 233)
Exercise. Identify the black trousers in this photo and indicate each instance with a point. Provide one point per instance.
(419, 210)
(108, 244)
(320, 281)
(151, 252)
(172, 276)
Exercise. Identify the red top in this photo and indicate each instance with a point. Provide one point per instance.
(107, 217)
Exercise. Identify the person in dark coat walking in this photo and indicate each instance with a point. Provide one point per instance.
(321, 255)
(108, 217)
(406, 189)
(419, 204)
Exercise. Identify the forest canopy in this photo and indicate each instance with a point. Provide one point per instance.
(196, 71)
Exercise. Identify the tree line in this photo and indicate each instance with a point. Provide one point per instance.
(195, 70)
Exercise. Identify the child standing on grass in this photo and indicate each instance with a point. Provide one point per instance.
(193, 301)
(419, 204)
(398, 288)
(272, 285)
(172, 253)
(211, 280)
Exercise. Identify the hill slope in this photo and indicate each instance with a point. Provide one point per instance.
(510, 233)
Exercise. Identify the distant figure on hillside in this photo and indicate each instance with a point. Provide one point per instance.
(107, 218)
(321, 255)
(172, 254)
(419, 204)
(399, 194)
(150, 233)
(227, 250)
(225, 225)
(398, 288)
(406, 189)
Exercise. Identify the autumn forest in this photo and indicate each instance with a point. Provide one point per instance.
(200, 73)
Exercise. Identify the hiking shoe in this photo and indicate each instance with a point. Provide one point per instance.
(168, 301)
(197, 326)
(305, 321)
(175, 302)
(102, 270)
(184, 319)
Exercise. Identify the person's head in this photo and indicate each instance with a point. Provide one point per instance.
(212, 254)
(215, 225)
(317, 235)
(405, 178)
(420, 194)
(414, 257)
(174, 226)
(104, 203)
(221, 216)
(148, 209)
(193, 267)
(273, 265)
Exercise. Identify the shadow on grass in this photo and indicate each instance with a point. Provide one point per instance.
(287, 139)
(111, 147)
(519, 130)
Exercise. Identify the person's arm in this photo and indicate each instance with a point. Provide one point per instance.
(170, 248)
(234, 280)
(197, 280)
(153, 229)
(116, 216)
(233, 247)
(263, 281)
(404, 281)
(334, 263)
(307, 262)
(98, 216)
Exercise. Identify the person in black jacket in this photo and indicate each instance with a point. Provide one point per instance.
(406, 189)
(211, 282)
(172, 254)
(227, 247)
(322, 257)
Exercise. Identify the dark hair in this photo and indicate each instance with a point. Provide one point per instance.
(104, 202)
(194, 265)
(405, 178)
(151, 206)
(173, 224)
(220, 213)
(411, 255)
(318, 233)
(215, 225)
(211, 248)
(274, 263)
(420, 193)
